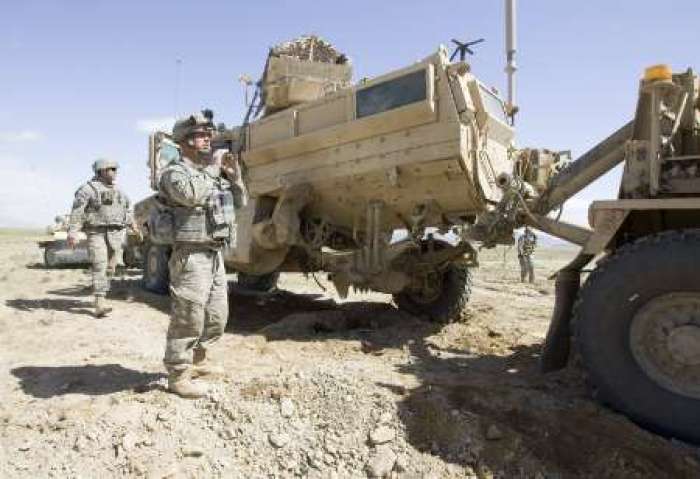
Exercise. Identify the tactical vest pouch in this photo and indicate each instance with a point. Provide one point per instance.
(113, 215)
(161, 226)
(222, 214)
(191, 225)
(107, 208)
(107, 197)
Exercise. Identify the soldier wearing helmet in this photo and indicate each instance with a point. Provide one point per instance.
(527, 242)
(200, 202)
(102, 212)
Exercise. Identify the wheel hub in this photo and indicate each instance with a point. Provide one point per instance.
(430, 290)
(665, 342)
(152, 263)
(684, 345)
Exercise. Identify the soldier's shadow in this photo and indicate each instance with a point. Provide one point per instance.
(43, 266)
(72, 291)
(73, 306)
(93, 380)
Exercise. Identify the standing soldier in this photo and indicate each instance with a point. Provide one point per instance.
(102, 211)
(200, 203)
(527, 242)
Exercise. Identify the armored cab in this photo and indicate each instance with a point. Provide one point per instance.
(428, 137)
(331, 180)
(355, 180)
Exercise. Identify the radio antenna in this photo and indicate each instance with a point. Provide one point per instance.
(176, 99)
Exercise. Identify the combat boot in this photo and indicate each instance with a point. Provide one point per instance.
(101, 309)
(180, 383)
(203, 366)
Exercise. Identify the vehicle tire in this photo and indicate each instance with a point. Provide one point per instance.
(130, 256)
(447, 299)
(49, 258)
(637, 332)
(263, 283)
(156, 276)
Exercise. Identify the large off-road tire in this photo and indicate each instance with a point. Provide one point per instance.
(637, 331)
(446, 299)
(156, 276)
(263, 283)
(131, 256)
(49, 258)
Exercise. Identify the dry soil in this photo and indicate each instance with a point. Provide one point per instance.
(314, 386)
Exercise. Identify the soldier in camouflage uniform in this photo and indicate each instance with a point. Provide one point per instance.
(200, 202)
(527, 242)
(102, 211)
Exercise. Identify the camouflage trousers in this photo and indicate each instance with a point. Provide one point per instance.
(199, 302)
(104, 249)
(527, 268)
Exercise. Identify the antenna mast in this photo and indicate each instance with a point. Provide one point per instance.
(176, 99)
(511, 49)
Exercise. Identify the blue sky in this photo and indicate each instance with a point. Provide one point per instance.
(82, 79)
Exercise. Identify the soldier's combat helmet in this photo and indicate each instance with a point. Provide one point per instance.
(103, 164)
(195, 123)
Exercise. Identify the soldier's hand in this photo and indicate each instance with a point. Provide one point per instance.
(228, 166)
(137, 231)
(229, 173)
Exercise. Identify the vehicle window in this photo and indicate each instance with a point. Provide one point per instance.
(406, 89)
(494, 105)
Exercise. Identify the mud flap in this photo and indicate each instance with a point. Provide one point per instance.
(557, 344)
(555, 352)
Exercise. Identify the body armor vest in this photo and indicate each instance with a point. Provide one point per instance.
(106, 207)
(212, 222)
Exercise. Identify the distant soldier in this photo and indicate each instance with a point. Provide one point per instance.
(201, 204)
(60, 223)
(102, 212)
(527, 242)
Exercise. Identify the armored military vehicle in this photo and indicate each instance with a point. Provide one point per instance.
(635, 323)
(332, 171)
(58, 253)
(56, 250)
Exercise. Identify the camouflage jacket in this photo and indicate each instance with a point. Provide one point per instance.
(527, 242)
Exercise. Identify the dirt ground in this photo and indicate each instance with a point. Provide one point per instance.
(314, 386)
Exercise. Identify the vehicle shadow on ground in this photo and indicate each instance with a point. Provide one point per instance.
(131, 290)
(248, 311)
(49, 381)
(73, 306)
(122, 289)
(284, 315)
(499, 415)
(251, 311)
